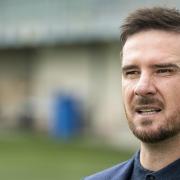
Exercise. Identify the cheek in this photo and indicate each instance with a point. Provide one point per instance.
(173, 98)
(171, 94)
(127, 92)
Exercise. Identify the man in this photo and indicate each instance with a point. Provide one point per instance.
(151, 93)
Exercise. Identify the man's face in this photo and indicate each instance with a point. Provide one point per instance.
(151, 84)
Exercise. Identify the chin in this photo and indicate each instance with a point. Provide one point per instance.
(150, 136)
(149, 131)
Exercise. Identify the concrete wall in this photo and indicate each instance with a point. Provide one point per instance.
(32, 79)
(92, 74)
(15, 84)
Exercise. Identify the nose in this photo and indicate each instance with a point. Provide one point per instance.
(145, 86)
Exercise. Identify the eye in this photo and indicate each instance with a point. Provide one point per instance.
(131, 74)
(166, 71)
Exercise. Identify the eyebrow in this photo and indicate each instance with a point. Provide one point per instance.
(168, 65)
(128, 67)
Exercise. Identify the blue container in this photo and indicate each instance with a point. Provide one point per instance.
(67, 117)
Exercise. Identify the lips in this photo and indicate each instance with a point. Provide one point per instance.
(147, 110)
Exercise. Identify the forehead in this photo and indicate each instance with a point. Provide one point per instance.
(151, 46)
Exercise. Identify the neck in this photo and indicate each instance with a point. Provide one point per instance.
(158, 155)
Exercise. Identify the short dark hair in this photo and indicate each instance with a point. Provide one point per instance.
(159, 18)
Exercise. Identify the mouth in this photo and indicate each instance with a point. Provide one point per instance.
(147, 110)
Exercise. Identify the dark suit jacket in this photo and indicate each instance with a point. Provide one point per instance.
(121, 171)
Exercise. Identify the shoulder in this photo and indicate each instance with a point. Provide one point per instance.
(122, 170)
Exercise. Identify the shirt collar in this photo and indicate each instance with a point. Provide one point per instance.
(172, 171)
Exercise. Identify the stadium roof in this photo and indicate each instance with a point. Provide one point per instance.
(37, 22)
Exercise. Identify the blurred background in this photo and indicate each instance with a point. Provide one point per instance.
(61, 113)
